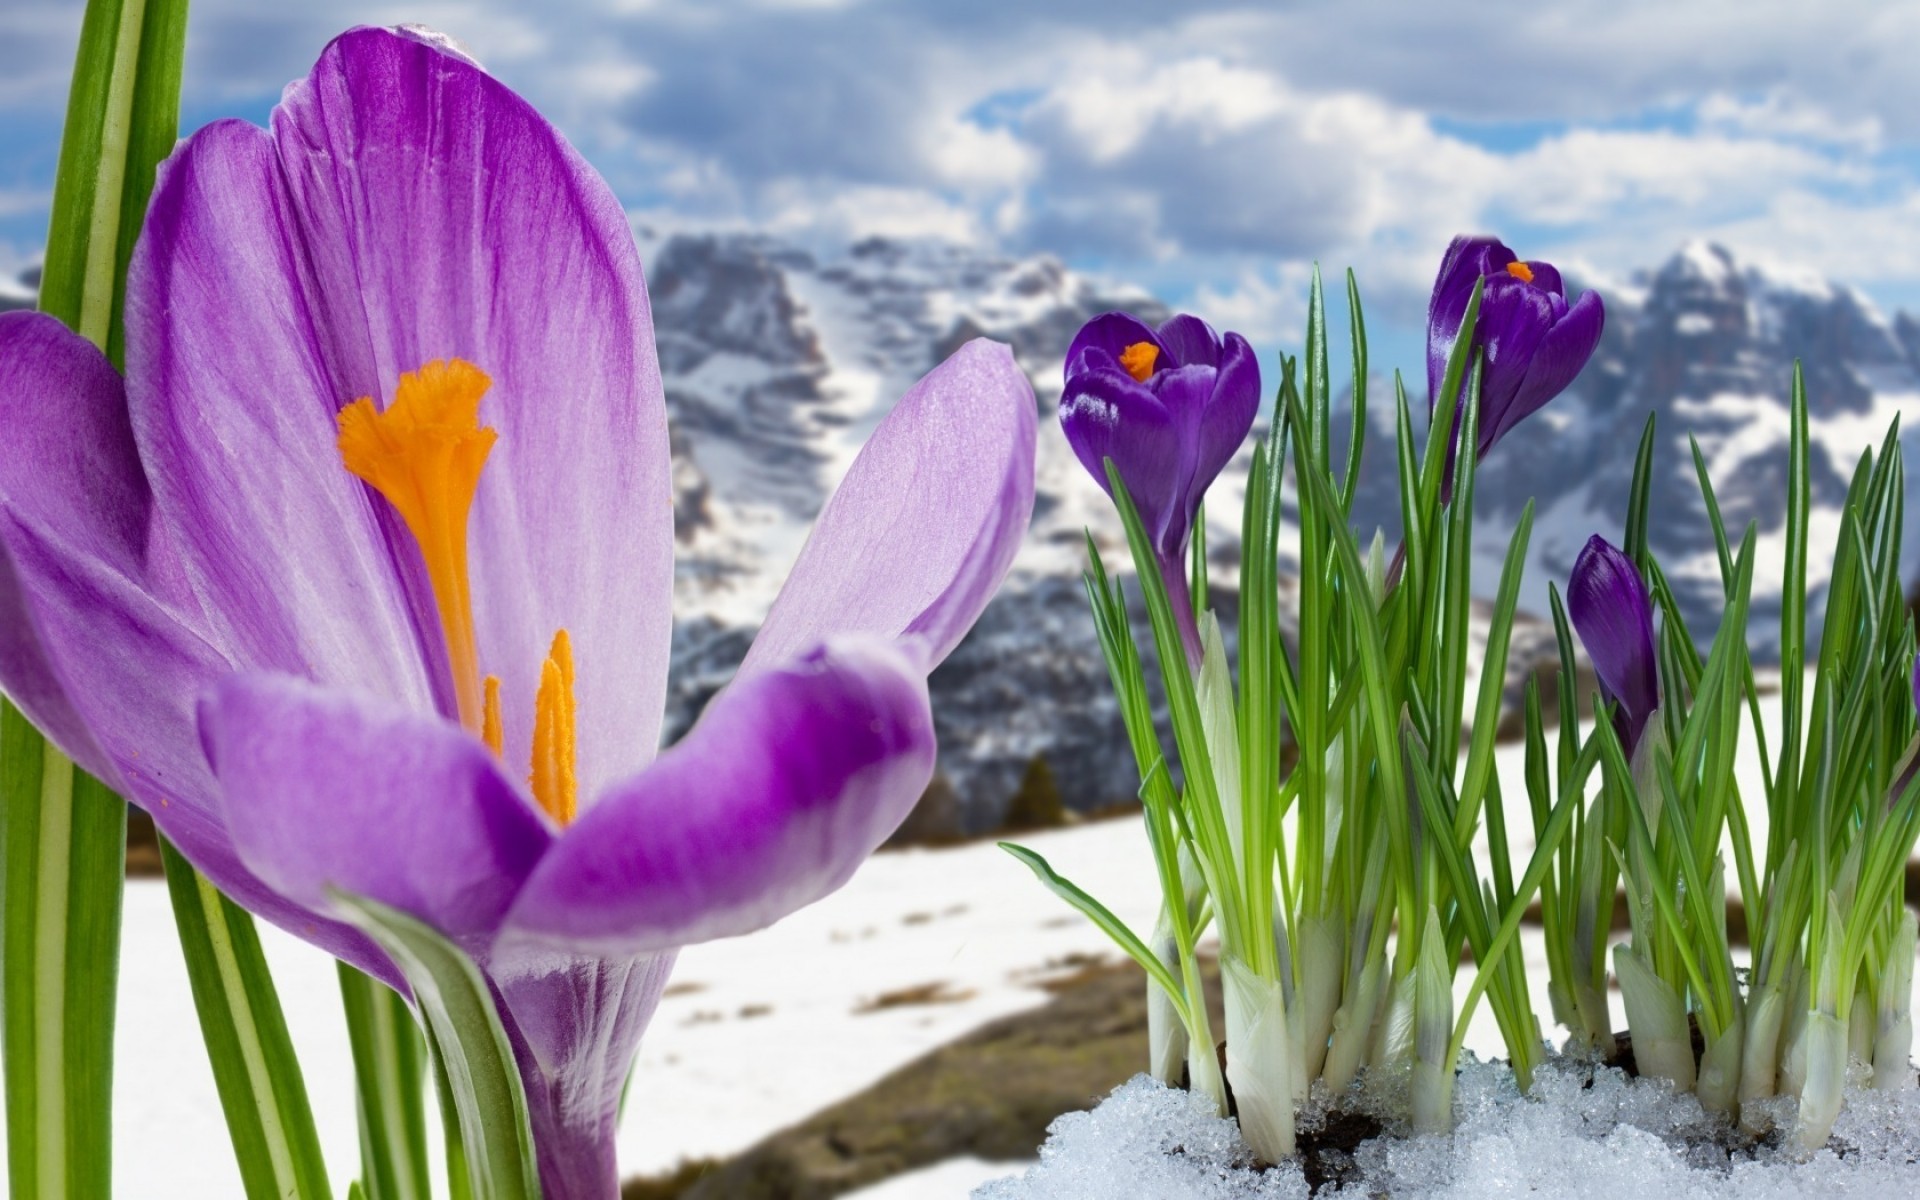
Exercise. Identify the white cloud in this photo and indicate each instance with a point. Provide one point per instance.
(1779, 114)
(1215, 136)
(849, 214)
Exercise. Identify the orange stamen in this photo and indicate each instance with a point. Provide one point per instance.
(1520, 271)
(1139, 358)
(424, 453)
(554, 785)
(490, 717)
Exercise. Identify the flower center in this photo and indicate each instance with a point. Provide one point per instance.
(424, 454)
(1520, 271)
(1139, 358)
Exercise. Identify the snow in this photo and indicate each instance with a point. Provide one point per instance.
(1583, 1133)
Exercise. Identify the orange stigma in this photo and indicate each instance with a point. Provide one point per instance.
(554, 785)
(1520, 271)
(1139, 358)
(424, 453)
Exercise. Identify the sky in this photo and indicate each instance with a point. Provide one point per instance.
(1212, 152)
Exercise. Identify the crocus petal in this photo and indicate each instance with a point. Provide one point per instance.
(1111, 333)
(1514, 319)
(1557, 359)
(1106, 414)
(1607, 602)
(328, 789)
(99, 642)
(1466, 262)
(442, 216)
(1191, 342)
(1227, 415)
(69, 476)
(791, 778)
(232, 388)
(923, 528)
(575, 1026)
(111, 677)
(1546, 277)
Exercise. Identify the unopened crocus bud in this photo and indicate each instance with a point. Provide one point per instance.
(1169, 406)
(1608, 604)
(1532, 341)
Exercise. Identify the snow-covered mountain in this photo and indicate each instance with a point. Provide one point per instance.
(778, 364)
(779, 361)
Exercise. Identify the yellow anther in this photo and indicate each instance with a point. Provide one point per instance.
(1139, 359)
(1520, 271)
(424, 453)
(554, 785)
(490, 717)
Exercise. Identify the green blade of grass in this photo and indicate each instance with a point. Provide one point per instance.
(262, 1091)
(64, 833)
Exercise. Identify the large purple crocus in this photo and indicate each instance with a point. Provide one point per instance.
(361, 579)
(1169, 406)
(1533, 341)
(1607, 602)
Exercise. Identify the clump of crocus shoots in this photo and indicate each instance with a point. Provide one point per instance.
(1348, 927)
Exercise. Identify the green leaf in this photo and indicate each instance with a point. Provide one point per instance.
(123, 116)
(470, 1049)
(1102, 916)
(65, 863)
(65, 834)
(389, 1067)
(255, 1070)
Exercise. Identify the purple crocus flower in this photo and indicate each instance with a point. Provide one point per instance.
(1169, 406)
(1607, 602)
(1533, 341)
(362, 577)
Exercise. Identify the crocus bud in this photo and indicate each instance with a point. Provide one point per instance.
(1607, 601)
(1169, 406)
(1532, 341)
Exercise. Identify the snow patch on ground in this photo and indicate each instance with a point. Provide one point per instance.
(1581, 1134)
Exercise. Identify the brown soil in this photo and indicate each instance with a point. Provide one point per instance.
(991, 1094)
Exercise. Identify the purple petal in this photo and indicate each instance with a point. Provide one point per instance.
(1607, 602)
(1514, 320)
(1191, 342)
(1230, 408)
(1546, 277)
(325, 789)
(789, 780)
(1466, 262)
(112, 677)
(575, 1026)
(98, 637)
(69, 476)
(923, 528)
(444, 217)
(233, 380)
(1110, 333)
(1558, 359)
(1106, 414)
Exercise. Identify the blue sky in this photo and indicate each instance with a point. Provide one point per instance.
(1211, 151)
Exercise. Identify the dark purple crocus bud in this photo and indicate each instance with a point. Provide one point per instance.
(1169, 406)
(1532, 341)
(1607, 601)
